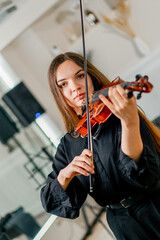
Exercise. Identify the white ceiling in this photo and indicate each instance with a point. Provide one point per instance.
(27, 13)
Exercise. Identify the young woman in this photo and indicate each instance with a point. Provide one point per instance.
(125, 151)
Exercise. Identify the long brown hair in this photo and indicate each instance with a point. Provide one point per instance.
(70, 117)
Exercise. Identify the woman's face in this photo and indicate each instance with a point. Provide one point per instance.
(71, 80)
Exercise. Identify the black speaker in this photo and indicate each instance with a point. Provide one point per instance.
(23, 104)
(7, 126)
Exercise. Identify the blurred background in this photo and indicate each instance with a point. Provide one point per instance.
(122, 39)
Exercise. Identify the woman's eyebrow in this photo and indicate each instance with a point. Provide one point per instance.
(78, 71)
(60, 80)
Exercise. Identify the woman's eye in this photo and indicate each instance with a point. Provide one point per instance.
(62, 85)
(80, 76)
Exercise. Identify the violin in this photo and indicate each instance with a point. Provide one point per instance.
(99, 112)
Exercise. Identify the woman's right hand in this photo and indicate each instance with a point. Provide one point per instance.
(80, 165)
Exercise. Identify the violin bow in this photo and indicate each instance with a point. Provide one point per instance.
(90, 144)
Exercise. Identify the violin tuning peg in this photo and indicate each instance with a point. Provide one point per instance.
(145, 77)
(130, 94)
(138, 76)
(139, 95)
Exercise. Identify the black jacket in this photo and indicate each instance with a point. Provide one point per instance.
(116, 175)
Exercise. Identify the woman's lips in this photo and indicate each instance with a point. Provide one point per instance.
(80, 96)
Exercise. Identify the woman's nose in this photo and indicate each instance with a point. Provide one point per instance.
(74, 86)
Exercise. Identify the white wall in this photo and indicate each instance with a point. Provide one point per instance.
(149, 65)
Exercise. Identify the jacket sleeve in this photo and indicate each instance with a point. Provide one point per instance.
(146, 172)
(57, 201)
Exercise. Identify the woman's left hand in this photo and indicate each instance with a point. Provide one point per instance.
(121, 106)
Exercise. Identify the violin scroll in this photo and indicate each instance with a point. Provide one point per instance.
(140, 85)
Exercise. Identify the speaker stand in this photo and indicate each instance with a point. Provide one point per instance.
(30, 160)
